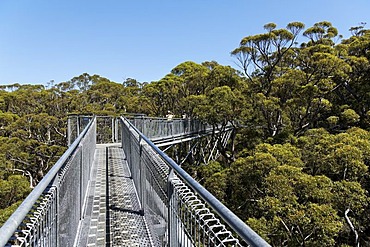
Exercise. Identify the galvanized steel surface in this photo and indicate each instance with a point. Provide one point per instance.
(177, 209)
(161, 128)
(49, 216)
(189, 214)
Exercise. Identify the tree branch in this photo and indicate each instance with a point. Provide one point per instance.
(27, 173)
(349, 222)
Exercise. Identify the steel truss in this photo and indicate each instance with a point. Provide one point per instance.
(197, 150)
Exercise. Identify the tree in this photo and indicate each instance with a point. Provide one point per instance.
(265, 52)
(340, 157)
(321, 33)
(163, 96)
(354, 90)
(15, 188)
(295, 210)
(220, 108)
(291, 86)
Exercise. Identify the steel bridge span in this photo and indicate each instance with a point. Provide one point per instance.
(125, 191)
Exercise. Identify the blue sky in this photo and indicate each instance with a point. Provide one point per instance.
(44, 40)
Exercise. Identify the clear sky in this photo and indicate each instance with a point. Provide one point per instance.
(44, 40)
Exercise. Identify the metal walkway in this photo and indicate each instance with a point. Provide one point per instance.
(129, 193)
(118, 221)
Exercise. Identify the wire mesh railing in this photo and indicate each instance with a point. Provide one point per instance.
(179, 210)
(76, 124)
(107, 128)
(51, 214)
(162, 127)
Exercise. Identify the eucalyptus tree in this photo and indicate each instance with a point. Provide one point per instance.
(291, 87)
(163, 96)
(311, 191)
(12, 191)
(261, 58)
(263, 53)
(353, 91)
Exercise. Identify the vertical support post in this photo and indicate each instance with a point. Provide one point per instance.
(171, 219)
(69, 131)
(81, 181)
(123, 136)
(107, 213)
(112, 127)
(78, 125)
(130, 151)
(116, 129)
(56, 216)
(172, 127)
(144, 127)
(142, 178)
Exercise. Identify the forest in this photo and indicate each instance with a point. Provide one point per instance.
(296, 169)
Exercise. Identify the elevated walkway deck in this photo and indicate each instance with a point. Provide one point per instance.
(89, 197)
(112, 216)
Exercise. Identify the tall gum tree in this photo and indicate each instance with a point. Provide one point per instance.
(291, 86)
(354, 90)
(260, 57)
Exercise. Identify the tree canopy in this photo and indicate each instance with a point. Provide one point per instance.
(296, 168)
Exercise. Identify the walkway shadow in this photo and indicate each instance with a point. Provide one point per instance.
(120, 176)
(117, 158)
(125, 210)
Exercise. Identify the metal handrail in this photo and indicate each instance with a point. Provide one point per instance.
(243, 230)
(11, 225)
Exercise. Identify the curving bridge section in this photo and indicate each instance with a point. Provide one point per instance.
(125, 192)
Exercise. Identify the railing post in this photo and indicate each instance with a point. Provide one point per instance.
(144, 127)
(78, 125)
(107, 212)
(130, 152)
(170, 203)
(116, 129)
(142, 178)
(112, 129)
(69, 130)
(81, 181)
(56, 215)
(135, 124)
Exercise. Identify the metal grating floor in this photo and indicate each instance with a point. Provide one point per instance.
(122, 224)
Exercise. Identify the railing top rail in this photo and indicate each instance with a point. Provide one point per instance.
(206, 131)
(154, 118)
(11, 225)
(243, 230)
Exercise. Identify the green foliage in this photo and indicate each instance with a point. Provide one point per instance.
(350, 116)
(302, 161)
(216, 184)
(7, 212)
(220, 106)
(13, 189)
(296, 167)
(33, 127)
